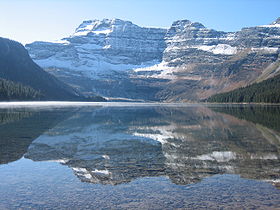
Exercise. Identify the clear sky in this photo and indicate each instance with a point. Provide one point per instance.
(46, 20)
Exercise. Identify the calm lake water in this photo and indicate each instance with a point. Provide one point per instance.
(143, 157)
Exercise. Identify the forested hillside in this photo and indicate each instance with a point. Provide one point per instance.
(267, 91)
(17, 66)
(15, 91)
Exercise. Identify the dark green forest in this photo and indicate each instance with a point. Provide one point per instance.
(11, 91)
(267, 91)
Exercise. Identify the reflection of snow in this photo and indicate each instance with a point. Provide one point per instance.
(64, 161)
(165, 133)
(217, 156)
(82, 172)
(105, 172)
(162, 137)
(159, 133)
(265, 49)
(85, 174)
(264, 157)
(214, 156)
(106, 157)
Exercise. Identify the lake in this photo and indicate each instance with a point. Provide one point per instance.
(143, 156)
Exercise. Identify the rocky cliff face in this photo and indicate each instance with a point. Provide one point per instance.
(102, 45)
(200, 62)
(186, 62)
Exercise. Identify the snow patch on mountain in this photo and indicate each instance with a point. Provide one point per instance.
(106, 27)
(270, 26)
(94, 26)
(159, 70)
(223, 49)
(218, 156)
(91, 66)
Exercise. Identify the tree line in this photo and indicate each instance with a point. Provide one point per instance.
(11, 91)
(267, 91)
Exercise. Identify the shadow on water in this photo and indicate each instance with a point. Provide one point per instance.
(19, 127)
(266, 115)
(114, 145)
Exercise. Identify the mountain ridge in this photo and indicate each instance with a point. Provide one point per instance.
(187, 62)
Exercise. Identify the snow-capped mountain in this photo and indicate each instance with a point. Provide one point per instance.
(100, 47)
(186, 62)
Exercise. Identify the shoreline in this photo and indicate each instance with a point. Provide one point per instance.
(15, 104)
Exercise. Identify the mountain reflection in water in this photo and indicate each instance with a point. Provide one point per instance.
(19, 127)
(114, 145)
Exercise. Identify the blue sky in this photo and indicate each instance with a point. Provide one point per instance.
(46, 20)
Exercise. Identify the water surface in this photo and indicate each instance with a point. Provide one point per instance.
(141, 156)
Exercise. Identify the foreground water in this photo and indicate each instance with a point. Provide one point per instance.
(139, 156)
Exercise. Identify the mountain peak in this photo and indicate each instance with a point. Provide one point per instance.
(104, 26)
(277, 21)
(182, 24)
(274, 24)
(185, 25)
